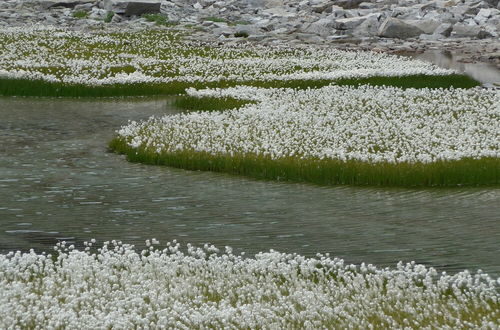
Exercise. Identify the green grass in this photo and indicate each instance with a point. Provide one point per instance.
(241, 35)
(27, 87)
(109, 17)
(193, 103)
(80, 14)
(465, 172)
(159, 19)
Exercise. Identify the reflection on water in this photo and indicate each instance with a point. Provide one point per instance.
(486, 73)
(58, 182)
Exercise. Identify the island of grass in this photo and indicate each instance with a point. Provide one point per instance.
(356, 135)
(451, 139)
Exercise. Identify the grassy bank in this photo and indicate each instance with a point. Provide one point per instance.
(465, 172)
(41, 88)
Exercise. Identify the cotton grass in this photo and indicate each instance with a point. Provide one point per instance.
(61, 62)
(116, 286)
(398, 136)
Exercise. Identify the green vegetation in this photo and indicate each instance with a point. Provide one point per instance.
(80, 14)
(159, 19)
(193, 103)
(241, 35)
(465, 172)
(27, 87)
(109, 17)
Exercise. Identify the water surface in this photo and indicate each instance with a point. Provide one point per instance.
(486, 73)
(59, 182)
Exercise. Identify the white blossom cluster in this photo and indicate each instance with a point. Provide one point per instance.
(117, 287)
(370, 124)
(98, 58)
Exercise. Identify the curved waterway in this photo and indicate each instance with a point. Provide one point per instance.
(58, 182)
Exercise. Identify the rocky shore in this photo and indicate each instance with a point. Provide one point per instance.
(467, 28)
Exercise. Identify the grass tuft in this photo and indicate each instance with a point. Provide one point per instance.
(159, 19)
(194, 103)
(464, 172)
(80, 14)
(109, 17)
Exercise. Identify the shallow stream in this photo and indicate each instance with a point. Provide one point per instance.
(58, 182)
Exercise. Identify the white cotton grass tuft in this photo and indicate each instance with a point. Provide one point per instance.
(365, 123)
(116, 286)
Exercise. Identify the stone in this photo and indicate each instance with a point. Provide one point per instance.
(484, 14)
(444, 29)
(47, 4)
(348, 4)
(322, 27)
(396, 28)
(133, 7)
(351, 23)
(428, 26)
(369, 28)
(367, 5)
(461, 30)
(278, 12)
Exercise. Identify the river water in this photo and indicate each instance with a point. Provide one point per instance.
(58, 182)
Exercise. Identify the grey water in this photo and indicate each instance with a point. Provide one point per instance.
(486, 73)
(59, 182)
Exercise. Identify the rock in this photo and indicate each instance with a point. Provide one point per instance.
(133, 7)
(351, 23)
(47, 4)
(322, 27)
(444, 30)
(484, 14)
(322, 6)
(427, 25)
(348, 4)
(367, 5)
(369, 28)
(396, 28)
(246, 29)
(461, 30)
(278, 12)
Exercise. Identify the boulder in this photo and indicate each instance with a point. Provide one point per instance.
(444, 30)
(396, 28)
(426, 25)
(484, 14)
(133, 7)
(352, 22)
(322, 27)
(369, 28)
(47, 4)
(348, 4)
(461, 30)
